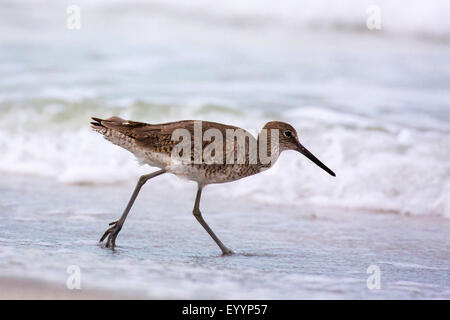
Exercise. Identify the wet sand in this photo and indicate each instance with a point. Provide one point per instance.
(282, 252)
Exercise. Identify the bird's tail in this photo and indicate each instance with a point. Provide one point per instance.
(99, 124)
(112, 130)
(96, 123)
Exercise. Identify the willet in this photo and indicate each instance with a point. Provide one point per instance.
(159, 145)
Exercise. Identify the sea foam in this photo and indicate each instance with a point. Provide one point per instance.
(379, 167)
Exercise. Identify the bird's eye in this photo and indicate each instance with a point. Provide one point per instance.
(288, 134)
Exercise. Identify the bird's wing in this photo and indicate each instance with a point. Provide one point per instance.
(158, 137)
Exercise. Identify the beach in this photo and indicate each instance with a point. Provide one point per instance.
(281, 252)
(373, 105)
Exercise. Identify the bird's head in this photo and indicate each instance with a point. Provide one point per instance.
(288, 140)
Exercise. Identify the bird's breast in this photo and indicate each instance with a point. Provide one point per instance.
(212, 173)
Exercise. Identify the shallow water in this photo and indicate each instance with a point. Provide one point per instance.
(281, 252)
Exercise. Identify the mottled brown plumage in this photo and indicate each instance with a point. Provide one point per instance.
(237, 157)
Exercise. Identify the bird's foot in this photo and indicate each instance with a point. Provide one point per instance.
(112, 233)
(227, 252)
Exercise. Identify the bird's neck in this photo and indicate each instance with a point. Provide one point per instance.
(268, 148)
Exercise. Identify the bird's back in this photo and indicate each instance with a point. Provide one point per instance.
(154, 144)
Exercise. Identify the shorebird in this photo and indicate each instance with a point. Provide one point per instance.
(156, 145)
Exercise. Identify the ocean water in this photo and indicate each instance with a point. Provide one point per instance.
(374, 106)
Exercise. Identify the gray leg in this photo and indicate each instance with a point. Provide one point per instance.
(117, 225)
(198, 216)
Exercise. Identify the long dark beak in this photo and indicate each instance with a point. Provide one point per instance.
(311, 157)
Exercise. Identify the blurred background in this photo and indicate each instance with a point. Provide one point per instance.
(373, 105)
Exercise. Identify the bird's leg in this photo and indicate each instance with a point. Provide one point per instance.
(198, 216)
(117, 225)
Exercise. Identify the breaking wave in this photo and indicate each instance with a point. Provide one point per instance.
(379, 167)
